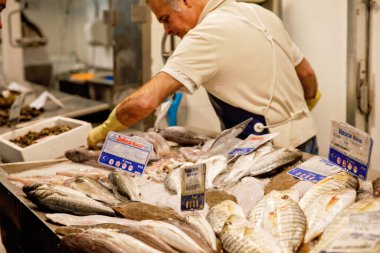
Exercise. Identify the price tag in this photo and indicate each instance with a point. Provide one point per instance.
(251, 143)
(350, 148)
(367, 221)
(15, 110)
(193, 187)
(315, 169)
(39, 102)
(125, 152)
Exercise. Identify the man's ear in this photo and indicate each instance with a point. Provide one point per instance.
(188, 3)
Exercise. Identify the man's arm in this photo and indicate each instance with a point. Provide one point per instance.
(135, 107)
(308, 79)
(143, 101)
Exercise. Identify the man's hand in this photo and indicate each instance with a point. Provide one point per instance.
(312, 102)
(99, 133)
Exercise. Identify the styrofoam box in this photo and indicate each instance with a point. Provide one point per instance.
(49, 148)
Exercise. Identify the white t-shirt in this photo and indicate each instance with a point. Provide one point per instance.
(236, 63)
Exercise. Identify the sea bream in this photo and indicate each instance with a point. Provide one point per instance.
(241, 236)
(342, 222)
(63, 199)
(285, 221)
(325, 209)
(124, 186)
(92, 189)
(218, 215)
(341, 180)
(204, 228)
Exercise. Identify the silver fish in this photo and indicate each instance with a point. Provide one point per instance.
(204, 228)
(341, 180)
(214, 165)
(104, 240)
(218, 215)
(172, 181)
(63, 199)
(262, 162)
(92, 189)
(183, 136)
(123, 185)
(74, 220)
(241, 236)
(285, 220)
(173, 236)
(325, 209)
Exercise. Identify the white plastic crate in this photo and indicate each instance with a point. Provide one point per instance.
(49, 148)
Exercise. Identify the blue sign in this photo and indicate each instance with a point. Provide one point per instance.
(192, 202)
(306, 175)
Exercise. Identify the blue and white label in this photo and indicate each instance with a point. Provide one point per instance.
(315, 169)
(125, 152)
(251, 143)
(193, 187)
(350, 148)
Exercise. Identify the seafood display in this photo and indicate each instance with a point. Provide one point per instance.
(251, 203)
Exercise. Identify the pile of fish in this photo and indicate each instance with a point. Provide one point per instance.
(247, 208)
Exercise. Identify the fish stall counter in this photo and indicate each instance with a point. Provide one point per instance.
(23, 227)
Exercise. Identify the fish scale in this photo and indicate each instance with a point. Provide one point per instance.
(341, 221)
(341, 180)
(285, 220)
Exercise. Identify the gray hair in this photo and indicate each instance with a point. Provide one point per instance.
(172, 3)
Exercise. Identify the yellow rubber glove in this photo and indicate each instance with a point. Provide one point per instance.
(100, 132)
(312, 102)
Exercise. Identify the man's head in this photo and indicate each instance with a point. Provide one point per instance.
(177, 16)
(3, 3)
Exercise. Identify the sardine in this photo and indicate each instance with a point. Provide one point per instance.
(218, 215)
(123, 185)
(342, 221)
(143, 211)
(103, 240)
(285, 220)
(341, 180)
(63, 199)
(325, 209)
(241, 236)
(183, 136)
(92, 189)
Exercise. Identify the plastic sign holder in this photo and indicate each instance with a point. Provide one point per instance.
(125, 152)
(193, 187)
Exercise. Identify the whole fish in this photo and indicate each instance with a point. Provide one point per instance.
(342, 222)
(256, 215)
(183, 136)
(285, 220)
(241, 236)
(172, 181)
(173, 236)
(74, 220)
(85, 156)
(92, 189)
(218, 215)
(262, 162)
(143, 211)
(63, 199)
(160, 145)
(123, 185)
(325, 209)
(193, 154)
(204, 228)
(193, 234)
(104, 240)
(341, 180)
(214, 165)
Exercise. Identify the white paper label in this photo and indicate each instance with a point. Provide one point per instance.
(39, 102)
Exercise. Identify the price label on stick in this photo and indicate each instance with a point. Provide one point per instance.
(193, 187)
(125, 152)
(350, 148)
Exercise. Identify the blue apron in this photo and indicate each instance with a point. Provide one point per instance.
(230, 116)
